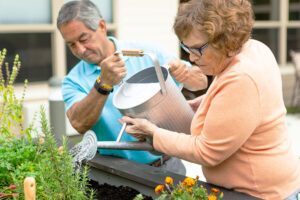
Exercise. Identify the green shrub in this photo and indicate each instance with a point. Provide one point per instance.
(11, 115)
(22, 156)
(293, 109)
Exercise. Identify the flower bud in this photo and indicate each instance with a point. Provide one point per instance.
(60, 150)
(12, 187)
(41, 140)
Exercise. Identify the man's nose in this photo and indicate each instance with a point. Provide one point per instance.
(80, 49)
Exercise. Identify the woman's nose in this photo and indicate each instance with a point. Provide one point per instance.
(193, 57)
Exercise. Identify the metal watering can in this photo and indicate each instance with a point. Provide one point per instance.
(151, 94)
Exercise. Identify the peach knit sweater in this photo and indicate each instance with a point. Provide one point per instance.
(239, 133)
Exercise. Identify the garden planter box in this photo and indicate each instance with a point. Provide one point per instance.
(144, 178)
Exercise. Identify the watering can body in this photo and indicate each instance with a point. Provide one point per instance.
(141, 97)
(152, 94)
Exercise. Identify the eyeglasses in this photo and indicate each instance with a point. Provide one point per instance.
(196, 51)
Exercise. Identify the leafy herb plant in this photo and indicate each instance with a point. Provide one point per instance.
(11, 116)
(40, 158)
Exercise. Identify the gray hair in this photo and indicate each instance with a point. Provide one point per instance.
(84, 11)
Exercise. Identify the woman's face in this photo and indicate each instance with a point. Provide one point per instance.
(212, 61)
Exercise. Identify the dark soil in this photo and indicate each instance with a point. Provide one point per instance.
(110, 192)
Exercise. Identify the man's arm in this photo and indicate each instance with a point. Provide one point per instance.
(85, 113)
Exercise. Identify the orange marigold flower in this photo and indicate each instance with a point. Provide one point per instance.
(159, 189)
(197, 177)
(169, 180)
(189, 181)
(215, 190)
(212, 197)
(189, 189)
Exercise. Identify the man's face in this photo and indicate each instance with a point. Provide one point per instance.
(86, 44)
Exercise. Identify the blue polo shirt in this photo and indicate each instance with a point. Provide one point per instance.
(80, 80)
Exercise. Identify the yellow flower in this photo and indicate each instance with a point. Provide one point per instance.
(215, 190)
(60, 150)
(189, 189)
(189, 182)
(169, 180)
(221, 195)
(212, 197)
(159, 189)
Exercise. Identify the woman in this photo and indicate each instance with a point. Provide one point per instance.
(238, 133)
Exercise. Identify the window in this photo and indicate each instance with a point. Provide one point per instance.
(34, 50)
(28, 28)
(277, 28)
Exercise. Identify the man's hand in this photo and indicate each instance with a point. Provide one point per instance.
(113, 70)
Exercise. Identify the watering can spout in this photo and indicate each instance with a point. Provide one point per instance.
(131, 145)
(87, 148)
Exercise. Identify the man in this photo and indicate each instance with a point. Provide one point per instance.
(89, 102)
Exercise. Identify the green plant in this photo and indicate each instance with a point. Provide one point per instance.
(11, 115)
(8, 192)
(186, 190)
(293, 109)
(52, 167)
(40, 158)
(59, 178)
(19, 158)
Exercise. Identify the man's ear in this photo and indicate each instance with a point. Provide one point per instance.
(102, 26)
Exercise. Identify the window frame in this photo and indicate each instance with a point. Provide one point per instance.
(58, 47)
(282, 24)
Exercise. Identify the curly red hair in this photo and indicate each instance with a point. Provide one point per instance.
(227, 23)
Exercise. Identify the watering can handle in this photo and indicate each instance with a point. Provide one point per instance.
(158, 70)
(121, 132)
(131, 52)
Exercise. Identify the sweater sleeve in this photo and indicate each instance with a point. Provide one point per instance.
(233, 113)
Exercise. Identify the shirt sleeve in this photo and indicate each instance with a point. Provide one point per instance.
(232, 116)
(72, 92)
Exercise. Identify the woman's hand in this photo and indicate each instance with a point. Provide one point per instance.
(139, 128)
(179, 70)
(195, 103)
